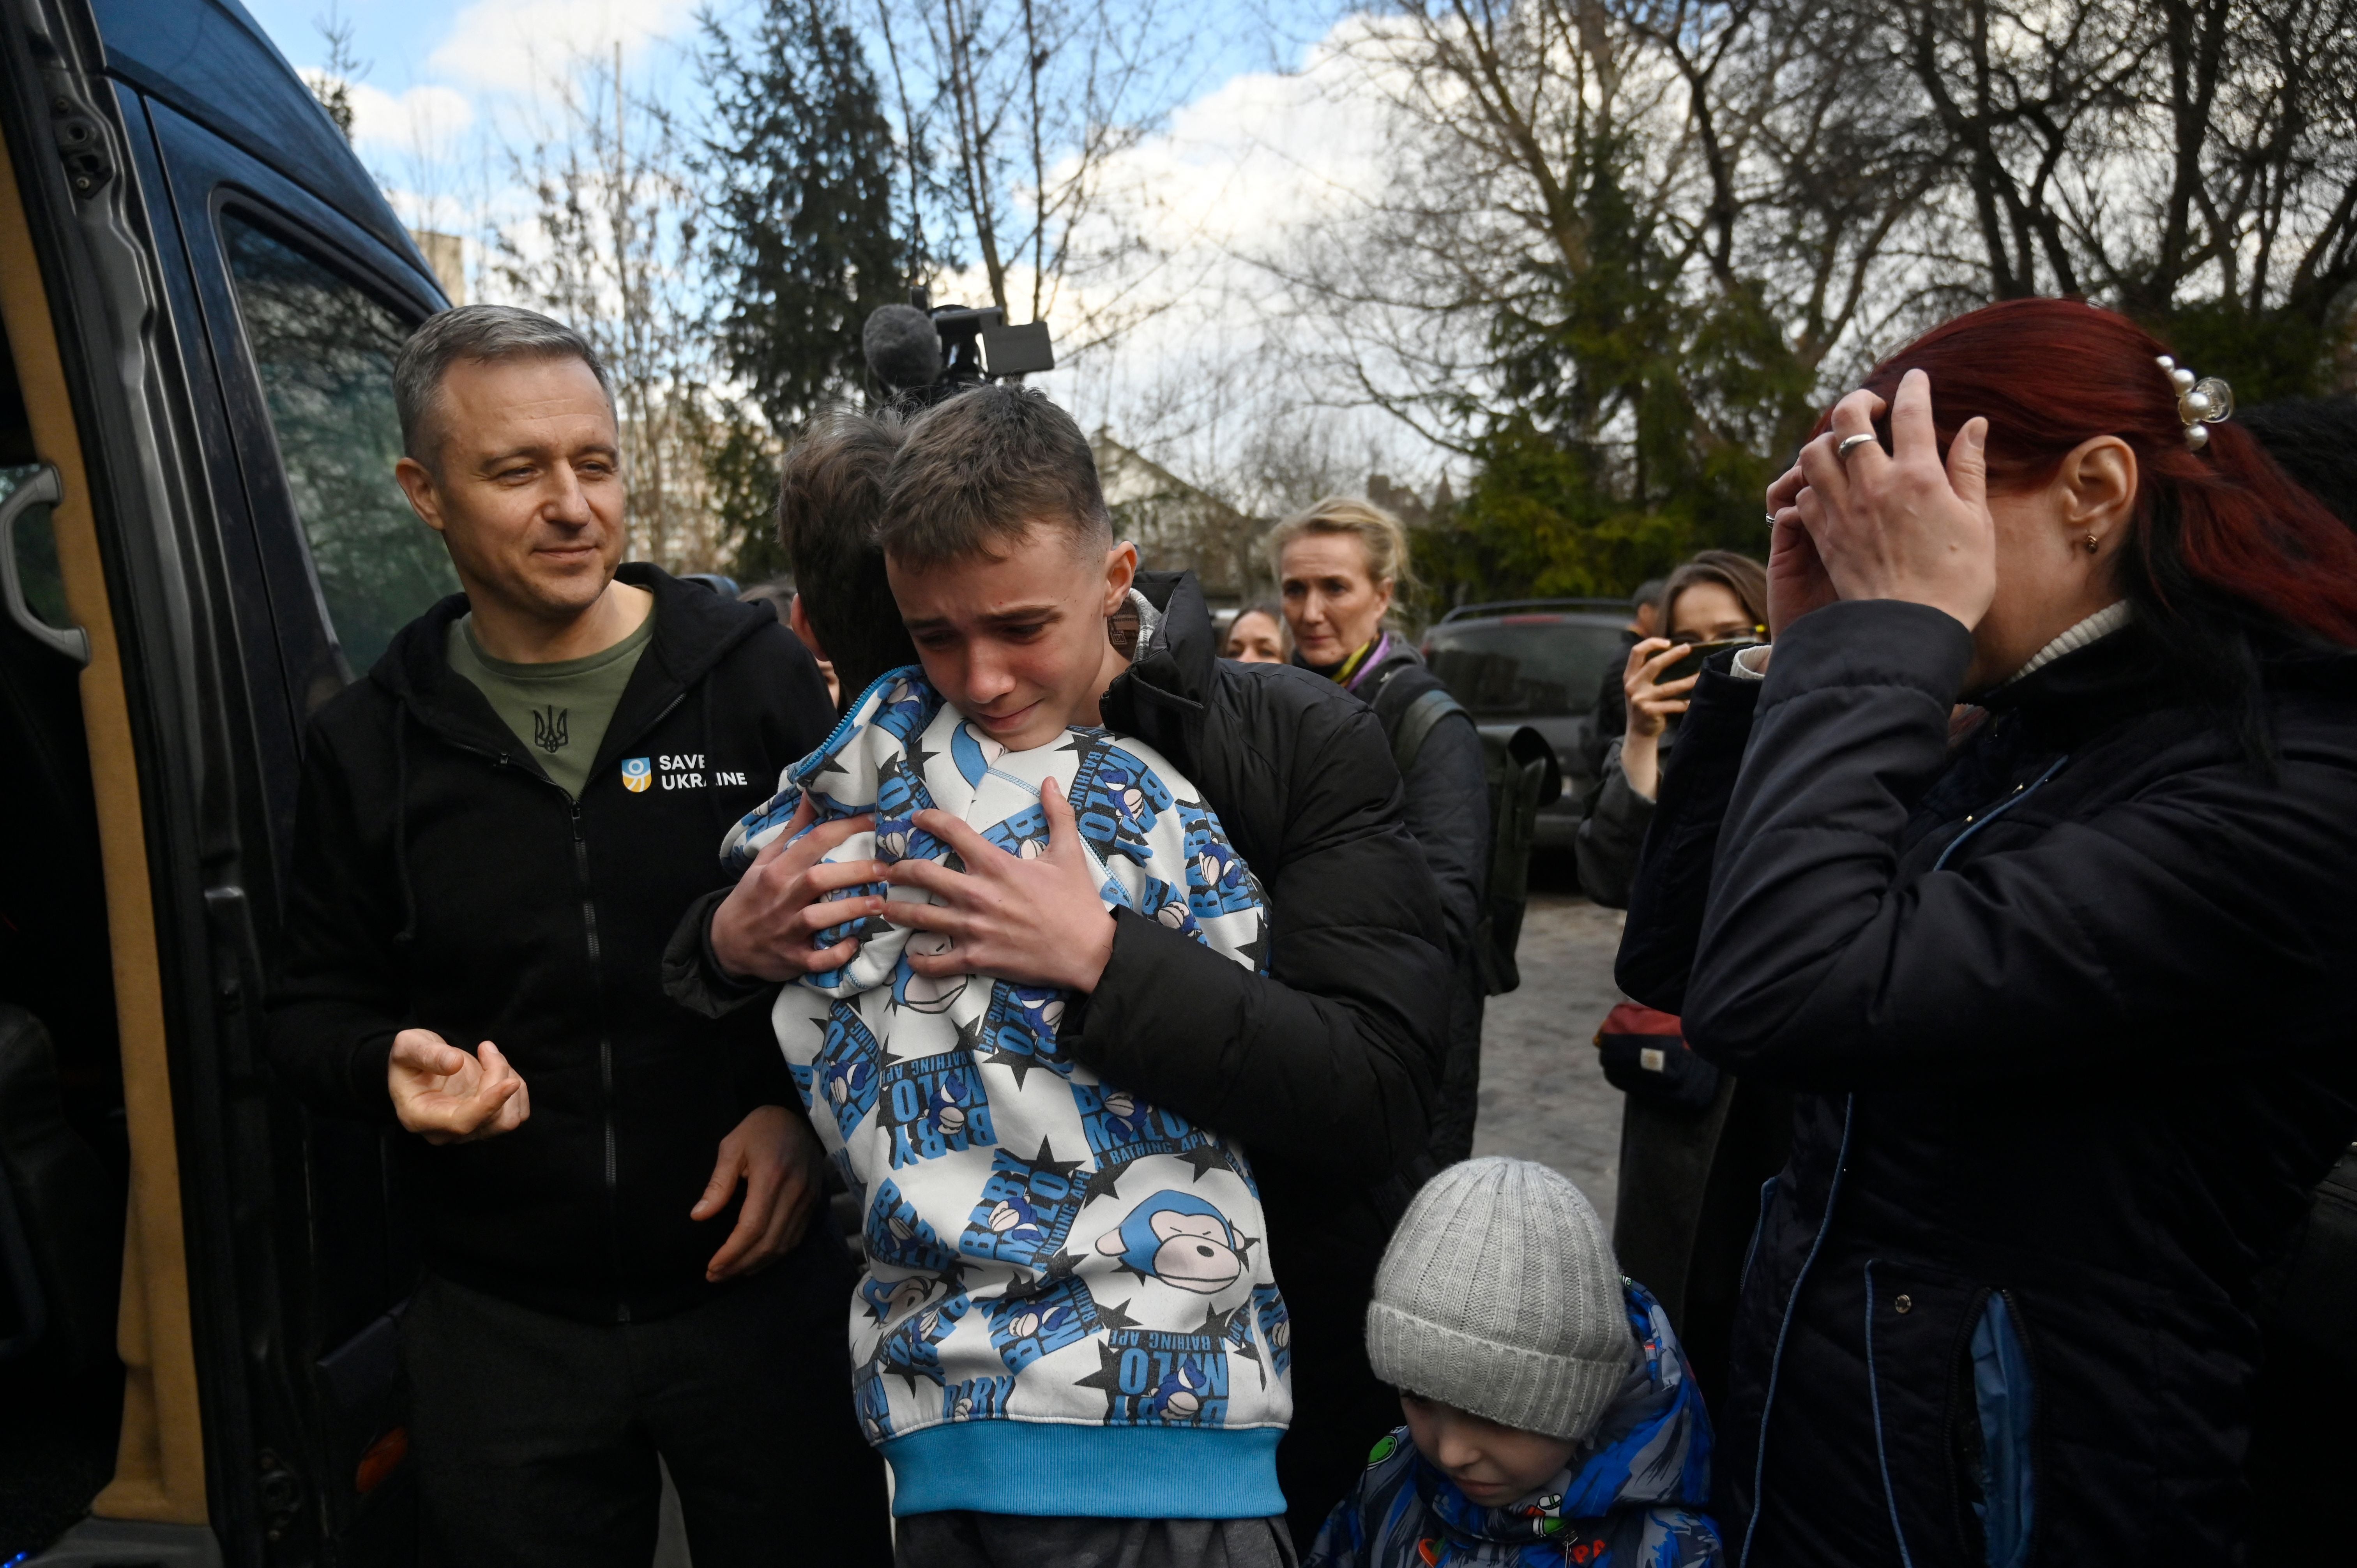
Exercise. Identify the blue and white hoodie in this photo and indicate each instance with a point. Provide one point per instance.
(1633, 1496)
(1067, 1308)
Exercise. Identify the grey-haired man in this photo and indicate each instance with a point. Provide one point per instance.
(497, 830)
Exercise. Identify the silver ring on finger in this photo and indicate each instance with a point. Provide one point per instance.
(1849, 442)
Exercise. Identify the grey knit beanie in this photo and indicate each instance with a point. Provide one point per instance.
(1499, 1295)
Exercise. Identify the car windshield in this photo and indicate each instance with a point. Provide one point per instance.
(1533, 666)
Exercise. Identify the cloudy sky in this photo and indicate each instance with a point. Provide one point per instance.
(1264, 137)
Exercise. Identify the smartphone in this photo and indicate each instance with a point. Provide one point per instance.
(1692, 664)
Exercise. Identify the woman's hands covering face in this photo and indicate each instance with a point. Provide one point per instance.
(1885, 525)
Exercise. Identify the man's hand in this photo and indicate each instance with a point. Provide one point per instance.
(762, 930)
(1035, 921)
(774, 1153)
(449, 1097)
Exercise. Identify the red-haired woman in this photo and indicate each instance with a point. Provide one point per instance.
(2065, 990)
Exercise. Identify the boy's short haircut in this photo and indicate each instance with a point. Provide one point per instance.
(975, 473)
(830, 493)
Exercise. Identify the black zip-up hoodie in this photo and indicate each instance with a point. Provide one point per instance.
(441, 880)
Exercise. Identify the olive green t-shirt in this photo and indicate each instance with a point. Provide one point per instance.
(560, 710)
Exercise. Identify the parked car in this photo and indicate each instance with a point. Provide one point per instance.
(1537, 662)
(202, 291)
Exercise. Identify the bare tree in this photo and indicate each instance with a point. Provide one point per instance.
(2192, 162)
(612, 248)
(1022, 106)
(1701, 160)
(1834, 172)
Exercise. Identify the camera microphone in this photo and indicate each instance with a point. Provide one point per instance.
(903, 347)
(921, 355)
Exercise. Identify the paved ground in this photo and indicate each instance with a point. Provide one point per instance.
(1543, 1096)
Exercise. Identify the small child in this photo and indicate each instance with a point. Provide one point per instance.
(1067, 1308)
(1551, 1416)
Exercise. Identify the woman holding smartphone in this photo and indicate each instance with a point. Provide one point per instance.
(1716, 600)
(1689, 1175)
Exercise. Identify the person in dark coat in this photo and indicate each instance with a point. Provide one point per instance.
(1339, 567)
(2059, 975)
(1324, 1069)
(2303, 1444)
(2314, 440)
(1716, 597)
(496, 831)
(1689, 1177)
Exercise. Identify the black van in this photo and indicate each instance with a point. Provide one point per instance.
(201, 292)
(1538, 663)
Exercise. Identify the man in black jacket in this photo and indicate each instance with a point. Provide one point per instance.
(497, 830)
(1324, 1068)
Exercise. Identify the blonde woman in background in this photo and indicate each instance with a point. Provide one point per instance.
(1339, 566)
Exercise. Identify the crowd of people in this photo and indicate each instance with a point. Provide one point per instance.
(977, 1069)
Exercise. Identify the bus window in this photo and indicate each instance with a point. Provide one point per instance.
(323, 351)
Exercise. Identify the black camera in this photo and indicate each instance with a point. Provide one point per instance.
(921, 353)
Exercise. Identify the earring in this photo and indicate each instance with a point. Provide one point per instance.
(2090, 544)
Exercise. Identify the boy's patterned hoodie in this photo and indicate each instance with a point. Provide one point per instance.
(1633, 1496)
(1068, 1307)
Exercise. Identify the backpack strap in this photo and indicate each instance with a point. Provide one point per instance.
(1417, 723)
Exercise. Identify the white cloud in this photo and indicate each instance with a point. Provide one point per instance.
(507, 43)
(1258, 154)
(1219, 349)
(421, 118)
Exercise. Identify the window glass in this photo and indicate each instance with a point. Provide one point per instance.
(324, 351)
(1524, 667)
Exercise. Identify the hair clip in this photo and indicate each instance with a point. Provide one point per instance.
(2209, 400)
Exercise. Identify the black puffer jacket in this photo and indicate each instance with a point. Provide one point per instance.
(1326, 1070)
(2069, 1007)
(1447, 788)
(440, 880)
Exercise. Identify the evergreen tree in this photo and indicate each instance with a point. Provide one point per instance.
(1642, 416)
(799, 170)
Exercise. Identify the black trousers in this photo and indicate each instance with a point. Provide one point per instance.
(535, 1437)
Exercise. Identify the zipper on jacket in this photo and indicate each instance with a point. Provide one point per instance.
(1833, 1193)
(597, 964)
(604, 1062)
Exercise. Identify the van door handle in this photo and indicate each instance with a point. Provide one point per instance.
(238, 980)
(43, 489)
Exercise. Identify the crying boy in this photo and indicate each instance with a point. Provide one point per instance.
(1062, 1279)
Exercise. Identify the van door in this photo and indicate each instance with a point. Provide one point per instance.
(209, 289)
(107, 1395)
(298, 315)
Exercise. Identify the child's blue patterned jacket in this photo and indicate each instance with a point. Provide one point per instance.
(1633, 1496)
(1068, 1307)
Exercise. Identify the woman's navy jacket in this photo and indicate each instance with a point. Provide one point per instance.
(2068, 1002)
